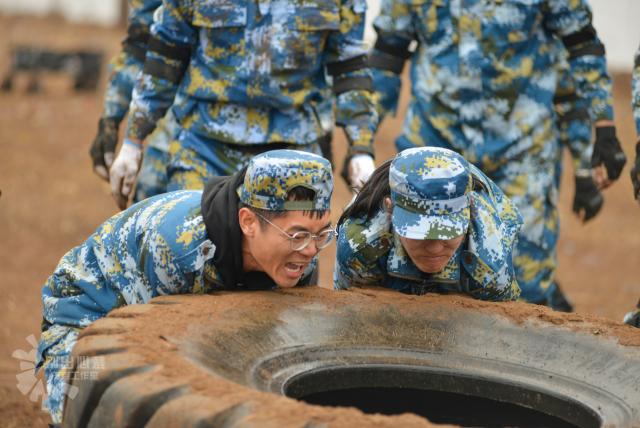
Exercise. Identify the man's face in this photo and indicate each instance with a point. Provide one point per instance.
(271, 250)
(431, 255)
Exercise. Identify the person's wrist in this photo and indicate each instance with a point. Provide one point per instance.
(133, 143)
(606, 131)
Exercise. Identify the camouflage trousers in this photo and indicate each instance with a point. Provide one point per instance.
(193, 160)
(531, 182)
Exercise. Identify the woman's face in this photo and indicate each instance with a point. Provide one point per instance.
(431, 255)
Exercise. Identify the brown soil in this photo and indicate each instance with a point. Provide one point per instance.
(52, 201)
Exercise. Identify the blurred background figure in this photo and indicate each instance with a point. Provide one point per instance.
(247, 79)
(484, 86)
(125, 68)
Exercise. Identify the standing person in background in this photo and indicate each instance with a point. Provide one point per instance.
(633, 317)
(574, 134)
(483, 79)
(125, 67)
(249, 77)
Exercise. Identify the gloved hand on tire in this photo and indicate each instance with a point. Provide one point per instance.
(587, 200)
(124, 171)
(103, 148)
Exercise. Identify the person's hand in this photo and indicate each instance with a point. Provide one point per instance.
(103, 148)
(635, 174)
(607, 152)
(123, 172)
(361, 166)
(587, 199)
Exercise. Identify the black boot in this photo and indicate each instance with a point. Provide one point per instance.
(558, 302)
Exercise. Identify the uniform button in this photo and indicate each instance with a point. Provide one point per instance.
(468, 259)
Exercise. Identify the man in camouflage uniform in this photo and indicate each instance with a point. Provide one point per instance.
(429, 222)
(249, 77)
(125, 67)
(258, 229)
(483, 81)
(574, 134)
(633, 317)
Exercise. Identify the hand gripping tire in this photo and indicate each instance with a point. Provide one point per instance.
(234, 359)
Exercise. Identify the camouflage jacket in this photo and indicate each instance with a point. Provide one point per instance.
(635, 95)
(370, 253)
(484, 72)
(125, 66)
(255, 72)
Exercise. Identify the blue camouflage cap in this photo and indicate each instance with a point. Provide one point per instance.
(430, 189)
(271, 175)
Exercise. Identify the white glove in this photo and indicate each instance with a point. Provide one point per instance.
(360, 169)
(124, 170)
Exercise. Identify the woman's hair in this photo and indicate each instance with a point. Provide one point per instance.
(371, 197)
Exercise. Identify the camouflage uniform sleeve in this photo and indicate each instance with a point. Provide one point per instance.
(571, 21)
(172, 38)
(126, 261)
(355, 107)
(124, 70)
(635, 96)
(493, 234)
(356, 259)
(574, 123)
(395, 34)
(74, 296)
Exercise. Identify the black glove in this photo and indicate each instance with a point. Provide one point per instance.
(635, 174)
(607, 151)
(104, 146)
(587, 198)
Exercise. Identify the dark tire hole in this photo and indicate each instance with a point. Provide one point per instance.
(439, 397)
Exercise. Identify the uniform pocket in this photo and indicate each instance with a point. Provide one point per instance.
(299, 36)
(219, 13)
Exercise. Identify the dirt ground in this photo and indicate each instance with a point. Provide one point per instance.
(52, 201)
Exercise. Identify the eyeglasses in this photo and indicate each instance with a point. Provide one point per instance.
(301, 240)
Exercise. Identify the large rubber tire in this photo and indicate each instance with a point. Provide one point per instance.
(227, 359)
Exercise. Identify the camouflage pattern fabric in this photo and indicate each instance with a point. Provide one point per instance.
(429, 189)
(193, 160)
(256, 72)
(369, 251)
(156, 247)
(270, 176)
(635, 94)
(124, 67)
(484, 75)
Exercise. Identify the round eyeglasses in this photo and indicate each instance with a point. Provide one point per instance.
(301, 240)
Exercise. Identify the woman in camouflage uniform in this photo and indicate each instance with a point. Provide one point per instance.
(429, 221)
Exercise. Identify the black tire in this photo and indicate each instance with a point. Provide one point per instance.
(236, 354)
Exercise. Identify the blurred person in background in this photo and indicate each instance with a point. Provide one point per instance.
(125, 67)
(633, 317)
(484, 76)
(248, 78)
